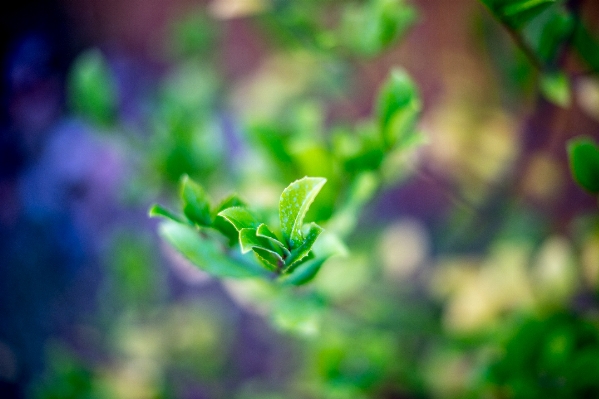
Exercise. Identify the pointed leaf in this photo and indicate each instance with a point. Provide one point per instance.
(196, 205)
(248, 240)
(584, 163)
(159, 211)
(398, 107)
(293, 205)
(268, 259)
(304, 273)
(229, 202)
(517, 13)
(556, 88)
(525, 6)
(205, 253)
(304, 249)
(240, 218)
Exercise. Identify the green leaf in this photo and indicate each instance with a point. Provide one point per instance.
(381, 22)
(521, 6)
(269, 259)
(556, 88)
(205, 253)
(223, 225)
(229, 202)
(398, 107)
(293, 205)
(304, 248)
(587, 47)
(583, 154)
(92, 88)
(196, 205)
(264, 231)
(304, 273)
(517, 13)
(159, 211)
(249, 240)
(240, 218)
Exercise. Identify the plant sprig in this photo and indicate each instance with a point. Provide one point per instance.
(209, 235)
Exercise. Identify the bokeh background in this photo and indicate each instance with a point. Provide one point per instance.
(475, 274)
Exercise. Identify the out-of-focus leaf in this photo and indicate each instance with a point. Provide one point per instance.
(587, 47)
(381, 23)
(304, 273)
(92, 88)
(299, 315)
(240, 218)
(398, 107)
(360, 192)
(584, 163)
(229, 202)
(196, 205)
(517, 13)
(304, 248)
(192, 35)
(556, 88)
(293, 205)
(362, 152)
(555, 27)
(520, 6)
(205, 253)
(160, 211)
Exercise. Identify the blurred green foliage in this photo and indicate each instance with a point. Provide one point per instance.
(93, 89)
(384, 317)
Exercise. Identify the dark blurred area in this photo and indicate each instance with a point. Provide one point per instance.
(42, 251)
(93, 304)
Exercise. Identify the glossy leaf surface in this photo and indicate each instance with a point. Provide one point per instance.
(293, 205)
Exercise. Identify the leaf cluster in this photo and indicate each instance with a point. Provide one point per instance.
(546, 31)
(208, 235)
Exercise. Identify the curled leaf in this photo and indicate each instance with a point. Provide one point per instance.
(264, 231)
(157, 210)
(240, 218)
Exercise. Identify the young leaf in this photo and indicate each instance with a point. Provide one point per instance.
(229, 202)
(304, 272)
(205, 253)
(268, 259)
(196, 205)
(159, 211)
(517, 13)
(584, 163)
(264, 231)
(240, 218)
(556, 88)
(521, 6)
(92, 88)
(248, 240)
(223, 225)
(398, 107)
(304, 248)
(293, 205)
